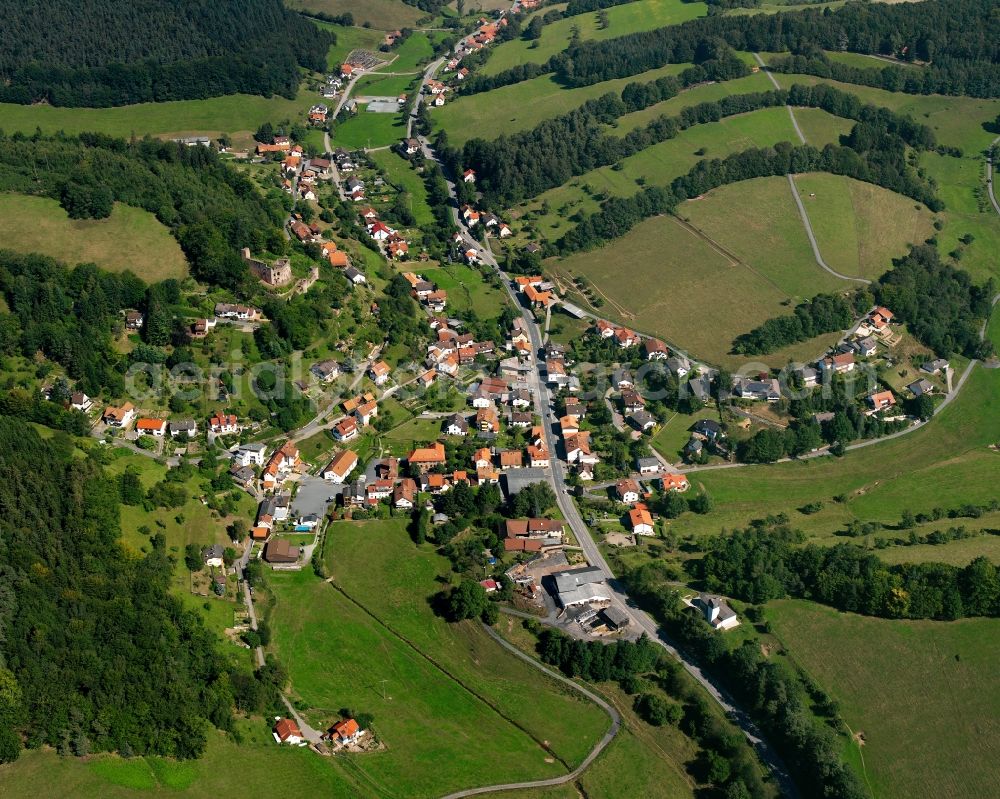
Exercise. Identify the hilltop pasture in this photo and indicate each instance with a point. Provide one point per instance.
(641, 15)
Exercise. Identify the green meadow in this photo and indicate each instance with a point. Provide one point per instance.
(234, 114)
(641, 15)
(523, 105)
(370, 641)
(910, 741)
(130, 238)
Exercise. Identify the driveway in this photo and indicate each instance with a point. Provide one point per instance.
(312, 496)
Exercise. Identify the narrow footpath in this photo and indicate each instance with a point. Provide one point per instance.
(609, 736)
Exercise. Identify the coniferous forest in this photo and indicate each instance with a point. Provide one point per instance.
(118, 52)
(97, 655)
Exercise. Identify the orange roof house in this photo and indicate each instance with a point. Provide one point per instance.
(675, 482)
(154, 426)
(881, 400)
(640, 521)
(511, 459)
(287, 728)
(338, 259)
(428, 456)
(346, 730)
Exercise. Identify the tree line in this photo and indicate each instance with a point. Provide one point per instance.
(945, 76)
(884, 165)
(824, 313)
(513, 168)
(90, 172)
(770, 691)
(766, 561)
(956, 30)
(113, 52)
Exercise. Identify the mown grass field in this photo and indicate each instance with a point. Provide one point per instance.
(366, 130)
(957, 121)
(944, 464)
(337, 656)
(523, 105)
(702, 93)
(861, 227)
(348, 39)
(418, 674)
(642, 15)
(467, 289)
(746, 256)
(234, 114)
(376, 85)
(757, 220)
(261, 765)
(380, 567)
(921, 693)
(821, 128)
(130, 238)
(383, 15)
(417, 50)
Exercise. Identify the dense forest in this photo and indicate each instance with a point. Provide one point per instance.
(513, 168)
(938, 31)
(119, 52)
(211, 209)
(766, 561)
(940, 305)
(97, 655)
(67, 315)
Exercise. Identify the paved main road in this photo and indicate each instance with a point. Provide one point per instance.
(545, 407)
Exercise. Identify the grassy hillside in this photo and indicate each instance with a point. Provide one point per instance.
(551, 213)
(348, 39)
(860, 227)
(377, 646)
(641, 15)
(261, 765)
(943, 464)
(523, 105)
(234, 114)
(916, 742)
(741, 259)
(129, 239)
(383, 15)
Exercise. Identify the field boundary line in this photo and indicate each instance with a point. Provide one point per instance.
(738, 262)
(448, 674)
(701, 234)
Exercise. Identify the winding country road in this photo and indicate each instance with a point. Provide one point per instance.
(812, 238)
(795, 191)
(609, 736)
(989, 175)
